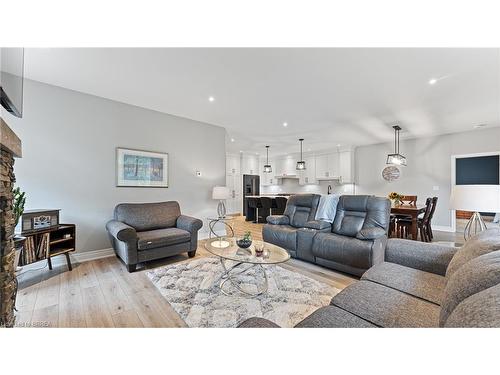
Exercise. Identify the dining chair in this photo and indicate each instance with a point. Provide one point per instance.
(429, 224)
(423, 224)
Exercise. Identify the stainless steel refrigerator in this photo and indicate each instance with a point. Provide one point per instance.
(251, 186)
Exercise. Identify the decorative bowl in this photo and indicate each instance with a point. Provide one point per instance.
(243, 243)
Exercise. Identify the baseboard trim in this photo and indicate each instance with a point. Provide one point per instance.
(92, 255)
(442, 228)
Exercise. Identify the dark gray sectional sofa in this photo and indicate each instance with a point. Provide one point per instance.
(355, 242)
(141, 232)
(419, 285)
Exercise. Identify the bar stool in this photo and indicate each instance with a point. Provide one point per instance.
(280, 205)
(267, 205)
(256, 205)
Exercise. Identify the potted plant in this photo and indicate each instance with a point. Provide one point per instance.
(395, 198)
(18, 209)
(245, 241)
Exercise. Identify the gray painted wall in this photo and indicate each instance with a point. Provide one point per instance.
(429, 165)
(69, 142)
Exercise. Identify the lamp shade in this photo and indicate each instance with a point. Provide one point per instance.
(476, 198)
(220, 193)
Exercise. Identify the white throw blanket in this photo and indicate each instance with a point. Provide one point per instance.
(327, 207)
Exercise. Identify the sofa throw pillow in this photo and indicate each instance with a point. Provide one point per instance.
(482, 243)
(473, 277)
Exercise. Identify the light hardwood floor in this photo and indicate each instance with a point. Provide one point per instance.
(101, 293)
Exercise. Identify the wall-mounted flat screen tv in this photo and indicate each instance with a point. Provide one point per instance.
(11, 80)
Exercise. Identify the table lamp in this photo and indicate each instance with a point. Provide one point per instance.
(475, 198)
(221, 193)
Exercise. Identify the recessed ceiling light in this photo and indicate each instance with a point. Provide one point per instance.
(432, 81)
(479, 126)
(285, 124)
(232, 139)
(211, 98)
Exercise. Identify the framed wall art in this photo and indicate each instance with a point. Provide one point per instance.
(137, 168)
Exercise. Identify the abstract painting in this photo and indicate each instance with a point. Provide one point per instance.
(141, 168)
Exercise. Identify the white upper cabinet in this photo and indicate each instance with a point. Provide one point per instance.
(250, 164)
(346, 166)
(285, 166)
(327, 166)
(321, 166)
(232, 165)
(308, 176)
(336, 166)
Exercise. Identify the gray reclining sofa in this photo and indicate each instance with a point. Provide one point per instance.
(419, 285)
(146, 231)
(355, 242)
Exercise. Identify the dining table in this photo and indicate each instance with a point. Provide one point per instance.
(412, 211)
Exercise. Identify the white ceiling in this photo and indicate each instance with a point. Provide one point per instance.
(328, 96)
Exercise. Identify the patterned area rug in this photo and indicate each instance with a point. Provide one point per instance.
(192, 288)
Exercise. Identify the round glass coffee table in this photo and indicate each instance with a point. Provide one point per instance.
(244, 260)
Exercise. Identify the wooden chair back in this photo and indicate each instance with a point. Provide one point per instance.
(433, 209)
(428, 211)
(409, 200)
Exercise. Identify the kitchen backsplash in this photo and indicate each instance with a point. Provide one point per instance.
(292, 186)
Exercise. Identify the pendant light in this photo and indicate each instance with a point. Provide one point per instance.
(396, 158)
(267, 167)
(301, 164)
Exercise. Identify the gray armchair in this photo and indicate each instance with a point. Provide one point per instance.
(146, 231)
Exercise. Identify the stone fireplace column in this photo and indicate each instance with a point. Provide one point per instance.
(10, 147)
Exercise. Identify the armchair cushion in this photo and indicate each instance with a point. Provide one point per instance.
(153, 239)
(278, 220)
(121, 231)
(148, 216)
(371, 233)
(317, 224)
(189, 223)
